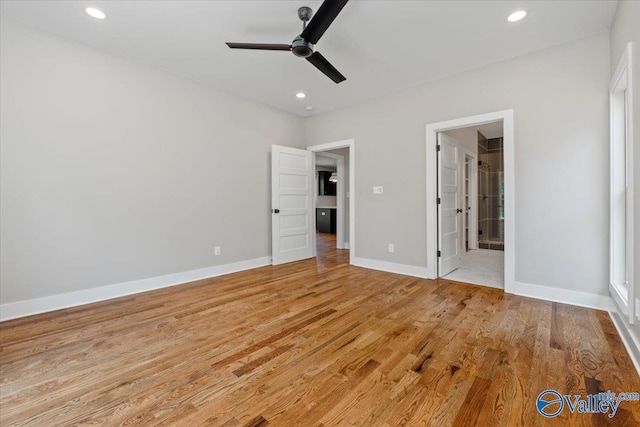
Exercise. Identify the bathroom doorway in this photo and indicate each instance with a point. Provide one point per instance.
(485, 221)
(481, 214)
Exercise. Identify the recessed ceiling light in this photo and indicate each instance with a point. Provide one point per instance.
(96, 13)
(300, 95)
(516, 16)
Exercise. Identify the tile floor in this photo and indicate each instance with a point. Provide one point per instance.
(480, 267)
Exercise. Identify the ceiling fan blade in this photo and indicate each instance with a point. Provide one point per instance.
(259, 46)
(322, 19)
(323, 65)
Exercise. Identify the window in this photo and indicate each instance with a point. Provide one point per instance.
(620, 192)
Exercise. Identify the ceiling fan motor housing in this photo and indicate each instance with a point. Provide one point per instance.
(302, 48)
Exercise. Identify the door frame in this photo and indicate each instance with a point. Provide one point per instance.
(432, 129)
(351, 194)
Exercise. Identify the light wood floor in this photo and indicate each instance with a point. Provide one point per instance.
(306, 344)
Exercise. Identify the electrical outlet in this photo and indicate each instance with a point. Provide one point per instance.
(216, 250)
(377, 190)
(391, 248)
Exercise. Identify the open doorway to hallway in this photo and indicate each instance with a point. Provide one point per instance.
(328, 183)
(345, 196)
(331, 206)
(478, 223)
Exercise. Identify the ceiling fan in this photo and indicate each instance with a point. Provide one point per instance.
(302, 45)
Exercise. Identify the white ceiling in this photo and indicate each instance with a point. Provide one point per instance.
(380, 46)
(324, 161)
(491, 130)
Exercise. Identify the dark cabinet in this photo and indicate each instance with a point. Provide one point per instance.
(326, 220)
(326, 187)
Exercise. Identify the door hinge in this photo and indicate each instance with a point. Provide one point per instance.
(439, 254)
(438, 147)
(438, 200)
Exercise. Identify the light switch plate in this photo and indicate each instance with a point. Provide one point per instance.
(377, 190)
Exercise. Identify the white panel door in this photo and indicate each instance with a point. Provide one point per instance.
(449, 210)
(291, 204)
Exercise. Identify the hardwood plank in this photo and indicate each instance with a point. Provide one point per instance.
(470, 410)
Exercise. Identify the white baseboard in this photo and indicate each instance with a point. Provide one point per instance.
(346, 245)
(628, 339)
(565, 296)
(24, 308)
(391, 267)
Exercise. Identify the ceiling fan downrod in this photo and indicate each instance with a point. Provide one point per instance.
(304, 13)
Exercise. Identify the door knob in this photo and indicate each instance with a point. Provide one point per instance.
(458, 210)
(276, 211)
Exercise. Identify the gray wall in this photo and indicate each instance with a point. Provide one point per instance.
(625, 28)
(112, 171)
(560, 101)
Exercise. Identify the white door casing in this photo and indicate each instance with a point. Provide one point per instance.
(292, 221)
(449, 210)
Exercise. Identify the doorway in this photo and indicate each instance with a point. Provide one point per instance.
(481, 252)
(466, 152)
(331, 180)
(337, 161)
(329, 197)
